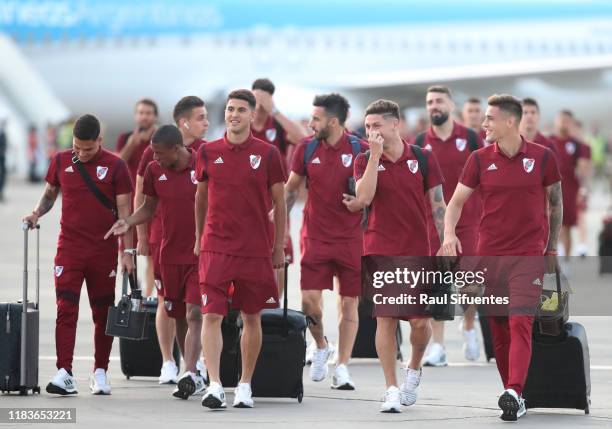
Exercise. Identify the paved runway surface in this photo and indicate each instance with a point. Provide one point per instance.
(460, 396)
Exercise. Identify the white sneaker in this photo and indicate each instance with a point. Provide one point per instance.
(242, 396)
(582, 250)
(168, 373)
(391, 401)
(214, 397)
(188, 385)
(412, 378)
(202, 370)
(341, 379)
(98, 383)
(62, 384)
(318, 368)
(312, 348)
(471, 348)
(436, 356)
(512, 406)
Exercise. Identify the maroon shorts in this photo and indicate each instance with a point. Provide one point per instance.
(154, 249)
(179, 287)
(253, 279)
(570, 208)
(321, 261)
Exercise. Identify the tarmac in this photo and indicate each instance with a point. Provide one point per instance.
(462, 395)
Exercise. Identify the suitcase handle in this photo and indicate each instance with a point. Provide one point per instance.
(24, 316)
(285, 302)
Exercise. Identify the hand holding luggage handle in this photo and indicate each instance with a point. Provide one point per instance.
(24, 319)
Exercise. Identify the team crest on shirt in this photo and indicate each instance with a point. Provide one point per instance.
(193, 177)
(101, 172)
(347, 159)
(528, 164)
(413, 165)
(204, 300)
(570, 148)
(255, 161)
(271, 134)
(58, 270)
(460, 143)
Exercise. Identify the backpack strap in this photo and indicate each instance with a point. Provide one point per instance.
(420, 140)
(280, 134)
(366, 210)
(472, 139)
(311, 146)
(422, 160)
(355, 144)
(93, 188)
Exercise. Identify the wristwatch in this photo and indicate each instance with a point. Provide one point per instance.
(130, 251)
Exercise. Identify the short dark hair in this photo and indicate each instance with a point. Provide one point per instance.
(567, 112)
(528, 101)
(243, 94)
(383, 107)
(507, 103)
(185, 105)
(474, 100)
(334, 104)
(168, 136)
(264, 84)
(86, 127)
(148, 102)
(441, 89)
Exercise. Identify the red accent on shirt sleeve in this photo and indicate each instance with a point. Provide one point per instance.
(551, 172)
(201, 165)
(123, 180)
(276, 171)
(434, 173)
(297, 163)
(470, 176)
(52, 177)
(148, 183)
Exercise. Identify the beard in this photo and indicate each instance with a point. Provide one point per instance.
(323, 134)
(438, 118)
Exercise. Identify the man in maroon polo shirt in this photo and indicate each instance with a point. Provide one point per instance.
(452, 143)
(574, 164)
(390, 182)
(191, 117)
(241, 179)
(522, 214)
(530, 124)
(471, 114)
(271, 126)
(170, 183)
(82, 253)
(331, 233)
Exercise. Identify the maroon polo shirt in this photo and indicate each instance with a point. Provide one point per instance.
(569, 150)
(397, 224)
(452, 155)
(515, 218)
(239, 179)
(269, 134)
(85, 220)
(542, 140)
(326, 218)
(175, 191)
(134, 160)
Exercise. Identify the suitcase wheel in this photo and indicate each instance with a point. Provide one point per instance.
(300, 396)
(127, 377)
(36, 390)
(587, 410)
(23, 391)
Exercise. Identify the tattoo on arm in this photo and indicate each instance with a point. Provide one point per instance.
(438, 209)
(47, 200)
(555, 215)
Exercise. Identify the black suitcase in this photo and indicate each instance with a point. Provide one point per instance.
(142, 358)
(365, 346)
(19, 324)
(280, 365)
(559, 372)
(487, 339)
(230, 365)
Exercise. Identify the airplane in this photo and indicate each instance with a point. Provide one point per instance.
(102, 56)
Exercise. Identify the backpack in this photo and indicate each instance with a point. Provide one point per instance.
(312, 145)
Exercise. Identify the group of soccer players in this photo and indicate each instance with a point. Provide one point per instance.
(213, 218)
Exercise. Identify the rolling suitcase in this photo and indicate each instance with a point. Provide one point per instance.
(605, 247)
(487, 340)
(364, 346)
(279, 368)
(19, 330)
(559, 372)
(143, 358)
